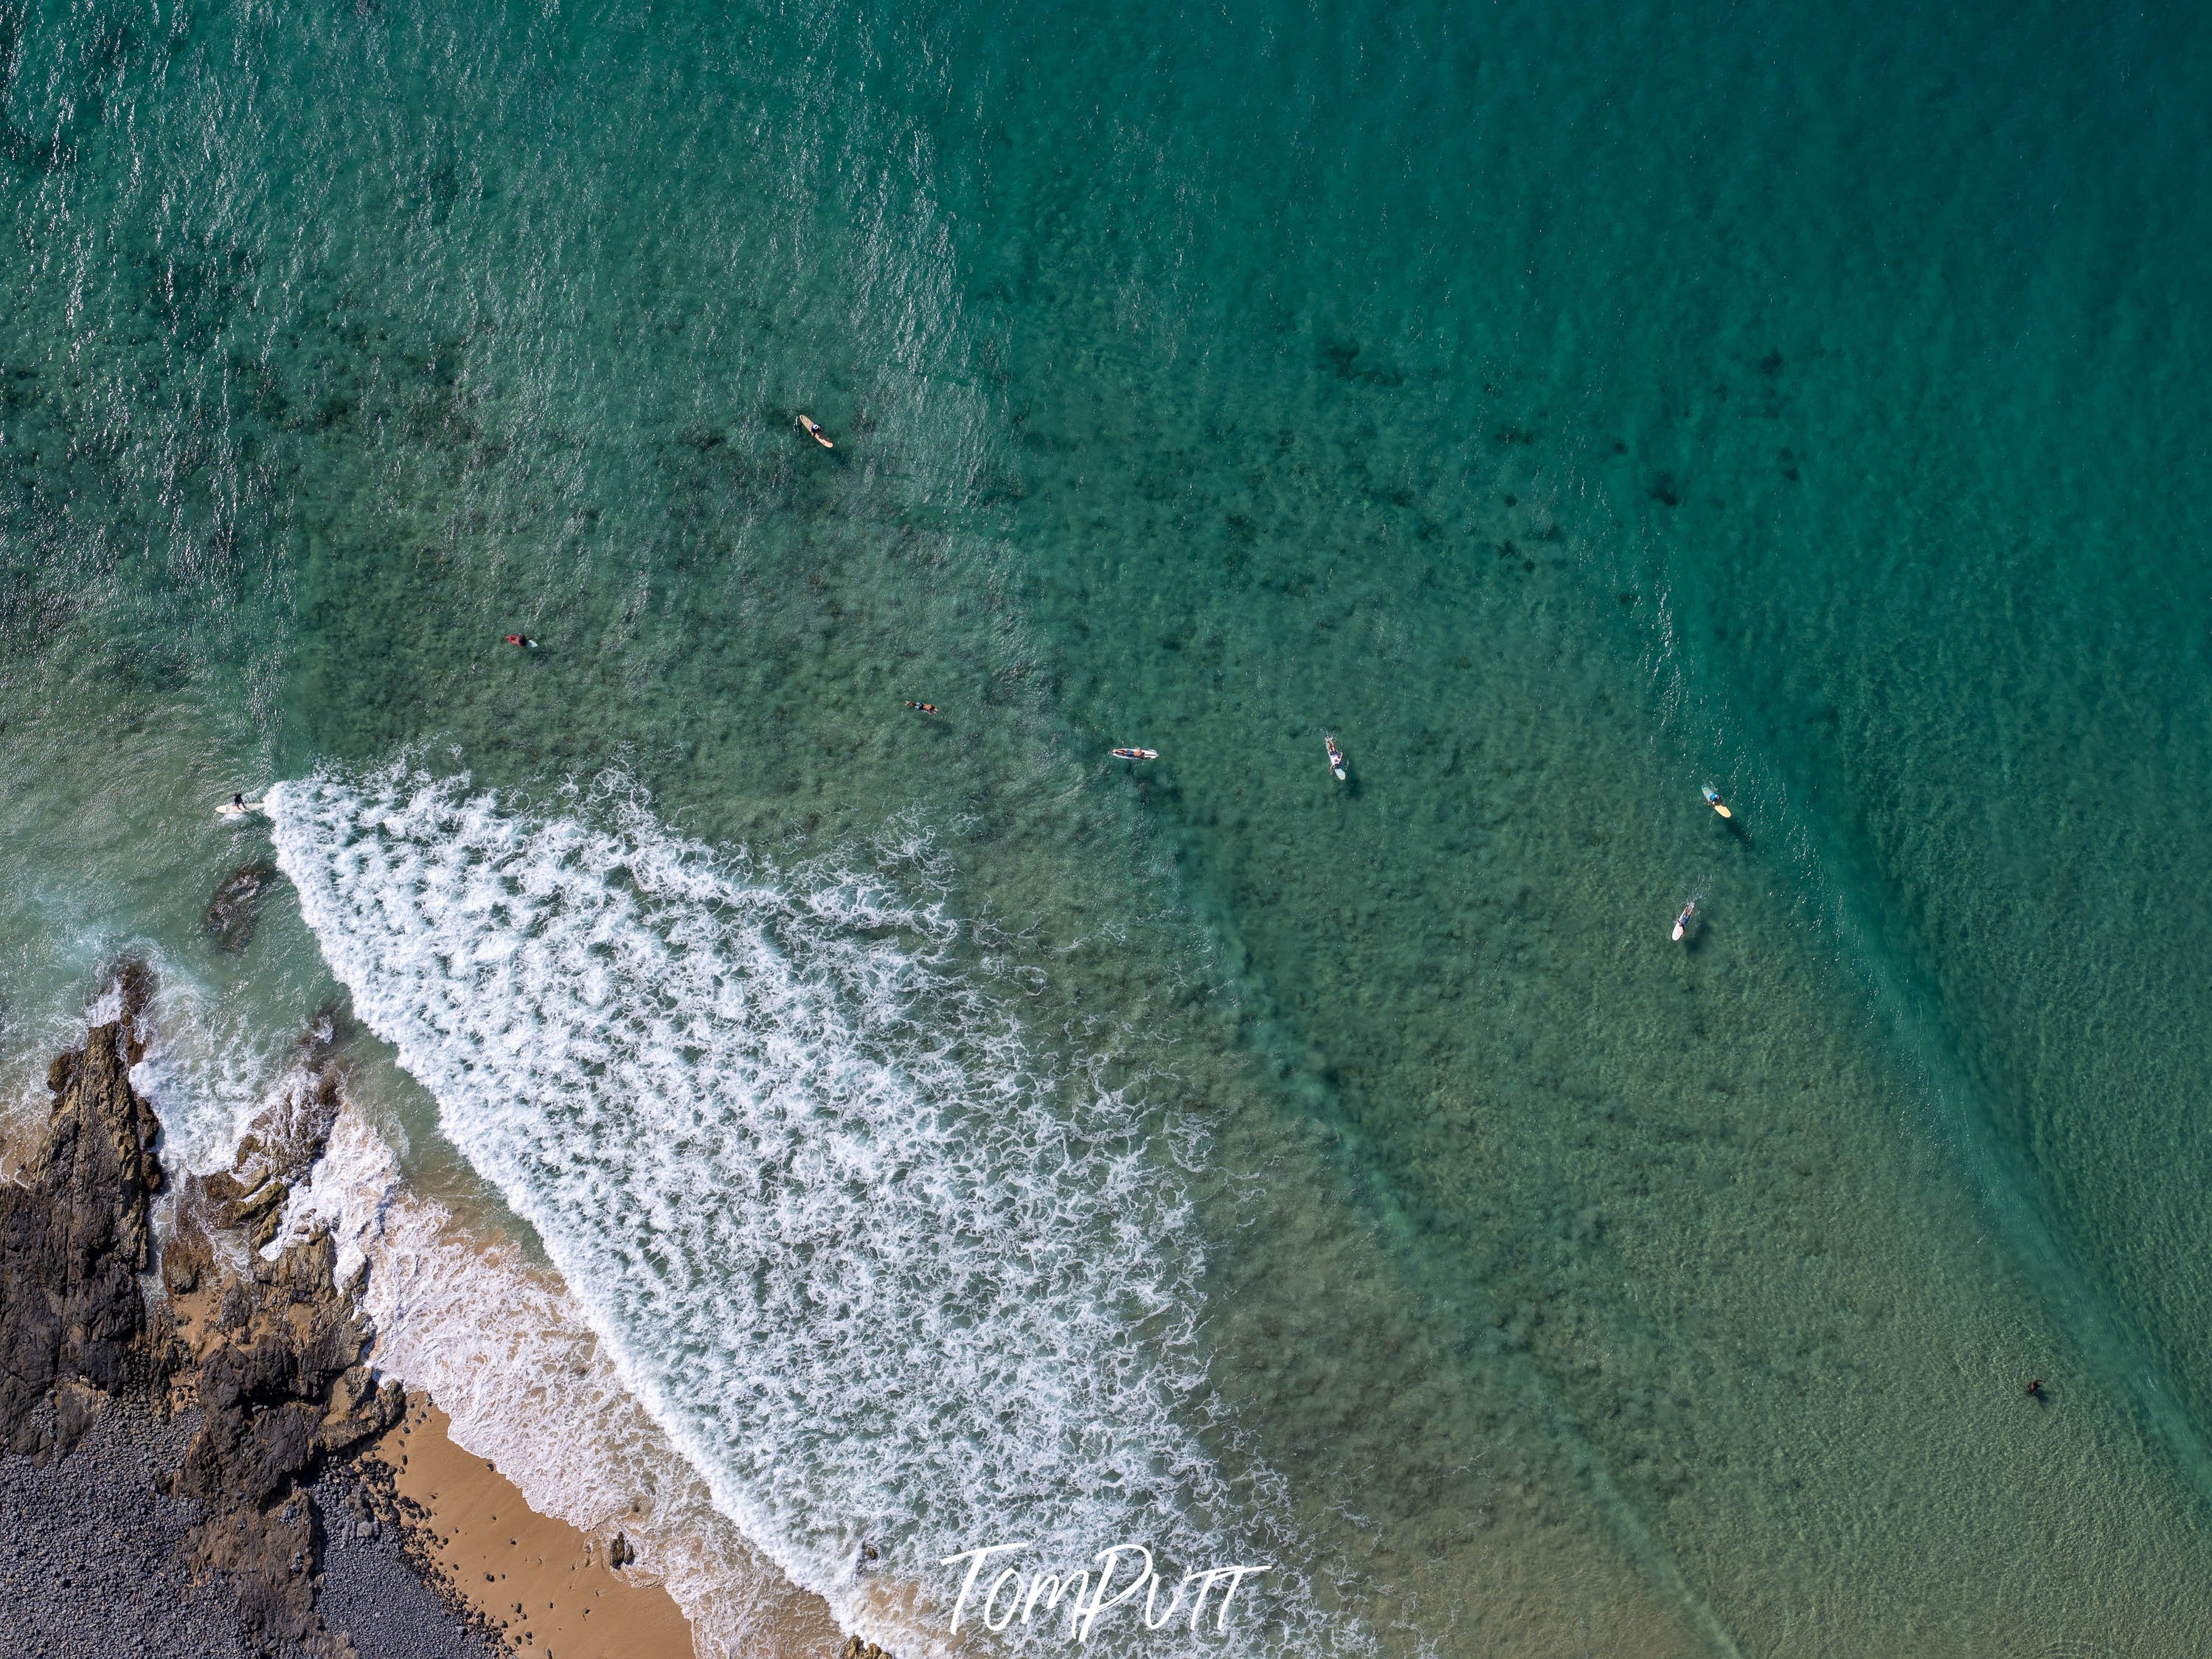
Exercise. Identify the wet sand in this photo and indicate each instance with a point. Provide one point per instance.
(545, 1584)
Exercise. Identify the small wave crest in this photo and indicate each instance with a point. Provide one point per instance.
(884, 1276)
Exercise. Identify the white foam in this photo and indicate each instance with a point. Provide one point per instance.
(210, 1070)
(508, 1356)
(877, 1272)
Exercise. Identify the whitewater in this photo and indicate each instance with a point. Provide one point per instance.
(894, 1282)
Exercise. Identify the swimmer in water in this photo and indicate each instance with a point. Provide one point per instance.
(921, 707)
(814, 431)
(1682, 922)
(522, 640)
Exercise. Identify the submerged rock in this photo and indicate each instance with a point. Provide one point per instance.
(235, 910)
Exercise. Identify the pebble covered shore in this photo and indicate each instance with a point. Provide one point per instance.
(94, 1560)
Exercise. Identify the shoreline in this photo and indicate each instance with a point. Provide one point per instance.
(183, 1472)
(206, 1452)
(198, 1459)
(537, 1584)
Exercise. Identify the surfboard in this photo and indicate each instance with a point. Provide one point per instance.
(228, 810)
(812, 428)
(1136, 754)
(1335, 757)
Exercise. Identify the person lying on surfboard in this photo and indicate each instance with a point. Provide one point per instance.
(1682, 922)
(814, 431)
(522, 640)
(1335, 758)
(1713, 800)
(921, 707)
(1136, 754)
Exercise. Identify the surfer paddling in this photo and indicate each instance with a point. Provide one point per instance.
(813, 430)
(1713, 800)
(522, 640)
(1135, 754)
(921, 707)
(1335, 758)
(1682, 922)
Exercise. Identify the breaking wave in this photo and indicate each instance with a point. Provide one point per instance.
(888, 1280)
(508, 1356)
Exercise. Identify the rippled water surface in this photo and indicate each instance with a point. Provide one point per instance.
(946, 1129)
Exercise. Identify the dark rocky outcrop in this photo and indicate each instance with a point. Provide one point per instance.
(270, 1361)
(74, 1238)
(235, 910)
(280, 1384)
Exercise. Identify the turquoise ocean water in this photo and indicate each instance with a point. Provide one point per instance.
(959, 1132)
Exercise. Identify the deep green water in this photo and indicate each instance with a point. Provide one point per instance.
(1564, 405)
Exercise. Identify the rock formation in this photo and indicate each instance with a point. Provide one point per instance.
(73, 1241)
(278, 1377)
(272, 1360)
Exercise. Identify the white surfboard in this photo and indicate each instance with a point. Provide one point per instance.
(233, 810)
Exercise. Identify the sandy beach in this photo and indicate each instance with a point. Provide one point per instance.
(548, 1587)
